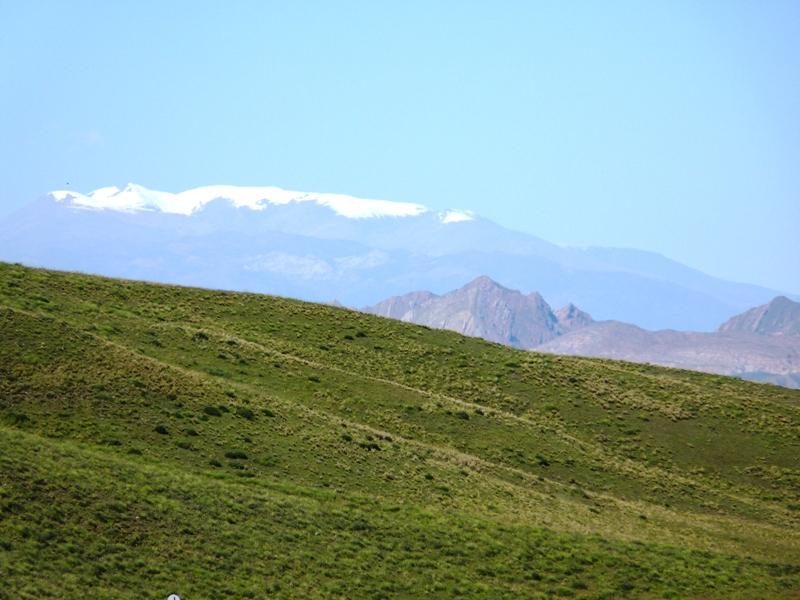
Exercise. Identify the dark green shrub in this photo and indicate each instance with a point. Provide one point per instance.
(347, 438)
(161, 429)
(192, 433)
(361, 334)
(268, 412)
(224, 408)
(236, 465)
(215, 463)
(349, 337)
(579, 585)
(462, 415)
(245, 413)
(16, 419)
(135, 451)
(212, 411)
(314, 379)
(428, 476)
(236, 454)
(369, 445)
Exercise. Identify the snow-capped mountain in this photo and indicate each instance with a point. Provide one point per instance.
(134, 198)
(359, 251)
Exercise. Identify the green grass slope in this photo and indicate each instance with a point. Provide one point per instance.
(157, 438)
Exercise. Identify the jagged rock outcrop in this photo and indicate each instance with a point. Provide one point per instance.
(486, 309)
(571, 317)
(779, 316)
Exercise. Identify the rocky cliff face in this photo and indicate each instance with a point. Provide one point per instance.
(762, 344)
(571, 317)
(486, 309)
(780, 316)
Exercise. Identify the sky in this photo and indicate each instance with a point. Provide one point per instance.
(672, 127)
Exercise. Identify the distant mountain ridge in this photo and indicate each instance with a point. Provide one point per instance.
(779, 316)
(762, 344)
(360, 251)
(739, 353)
(486, 309)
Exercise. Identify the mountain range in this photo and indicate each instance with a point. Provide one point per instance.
(762, 344)
(322, 246)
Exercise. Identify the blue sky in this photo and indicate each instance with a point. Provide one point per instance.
(672, 127)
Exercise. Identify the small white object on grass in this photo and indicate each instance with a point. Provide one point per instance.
(174, 597)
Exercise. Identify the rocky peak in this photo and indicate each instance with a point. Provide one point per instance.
(483, 283)
(779, 316)
(570, 317)
(484, 308)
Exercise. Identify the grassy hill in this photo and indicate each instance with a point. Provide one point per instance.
(157, 438)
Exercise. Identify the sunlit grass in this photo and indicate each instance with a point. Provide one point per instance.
(438, 464)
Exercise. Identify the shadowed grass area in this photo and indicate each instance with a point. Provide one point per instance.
(96, 524)
(217, 429)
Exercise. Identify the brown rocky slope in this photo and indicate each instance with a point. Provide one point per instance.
(762, 344)
(486, 309)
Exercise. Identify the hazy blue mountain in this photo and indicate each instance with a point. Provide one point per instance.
(323, 246)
